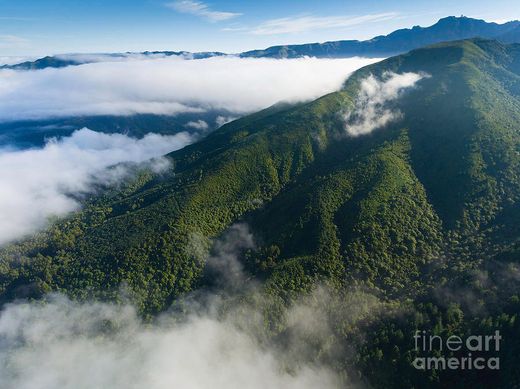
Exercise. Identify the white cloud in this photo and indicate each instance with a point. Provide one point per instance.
(198, 125)
(201, 9)
(371, 111)
(169, 86)
(39, 183)
(10, 41)
(102, 57)
(299, 24)
(82, 58)
(221, 120)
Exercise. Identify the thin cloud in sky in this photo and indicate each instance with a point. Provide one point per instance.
(15, 18)
(201, 9)
(9, 41)
(298, 24)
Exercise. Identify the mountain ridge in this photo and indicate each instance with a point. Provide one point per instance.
(297, 128)
(398, 42)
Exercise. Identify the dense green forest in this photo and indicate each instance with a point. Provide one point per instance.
(419, 218)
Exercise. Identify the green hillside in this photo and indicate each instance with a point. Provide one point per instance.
(422, 214)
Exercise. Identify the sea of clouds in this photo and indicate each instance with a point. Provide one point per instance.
(168, 86)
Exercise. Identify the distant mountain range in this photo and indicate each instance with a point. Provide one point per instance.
(61, 61)
(398, 42)
(512, 36)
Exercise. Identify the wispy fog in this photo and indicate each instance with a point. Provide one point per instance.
(68, 345)
(371, 110)
(64, 345)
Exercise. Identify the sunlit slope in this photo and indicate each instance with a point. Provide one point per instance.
(374, 210)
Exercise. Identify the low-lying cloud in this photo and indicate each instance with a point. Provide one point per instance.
(66, 345)
(39, 183)
(371, 110)
(198, 8)
(168, 86)
(63, 344)
(200, 125)
(221, 120)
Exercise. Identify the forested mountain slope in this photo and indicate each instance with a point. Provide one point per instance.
(417, 211)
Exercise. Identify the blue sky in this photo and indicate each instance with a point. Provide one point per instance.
(40, 27)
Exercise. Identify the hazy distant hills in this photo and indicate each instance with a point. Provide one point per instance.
(512, 36)
(60, 61)
(398, 42)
